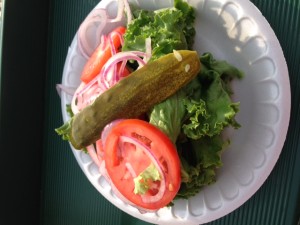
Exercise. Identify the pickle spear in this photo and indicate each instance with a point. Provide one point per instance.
(134, 95)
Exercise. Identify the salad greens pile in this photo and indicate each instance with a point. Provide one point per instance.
(196, 115)
(169, 29)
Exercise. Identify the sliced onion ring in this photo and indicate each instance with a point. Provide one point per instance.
(104, 78)
(85, 45)
(99, 18)
(107, 129)
(92, 152)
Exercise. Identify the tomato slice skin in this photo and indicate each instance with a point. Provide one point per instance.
(162, 149)
(101, 55)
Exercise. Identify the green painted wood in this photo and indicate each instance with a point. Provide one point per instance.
(22, 78)
(69, 198)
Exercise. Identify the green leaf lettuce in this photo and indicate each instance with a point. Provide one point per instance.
(169, 29)
(194, 119)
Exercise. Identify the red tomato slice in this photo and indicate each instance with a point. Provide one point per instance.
(100, 56)
(124, 161)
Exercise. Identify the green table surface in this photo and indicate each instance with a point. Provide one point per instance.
(66, 197)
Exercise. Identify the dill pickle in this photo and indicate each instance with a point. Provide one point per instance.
(134, 95)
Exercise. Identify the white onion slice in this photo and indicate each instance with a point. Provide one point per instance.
(85, 44)
(148, 48)
(99, 17)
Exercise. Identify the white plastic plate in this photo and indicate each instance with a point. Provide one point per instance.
(232, 30)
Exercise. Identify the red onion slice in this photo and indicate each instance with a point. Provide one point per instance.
(107, 129)
(108, 81)
(74, 106)
(92, 152)
(84, 95)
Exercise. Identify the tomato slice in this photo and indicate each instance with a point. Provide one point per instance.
(130, 148)
(102, 53)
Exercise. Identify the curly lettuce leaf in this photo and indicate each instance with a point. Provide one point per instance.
(200, 159)
(210, 109)
(225, 70)
(209, 117)
(202, 108)
(169, 29)
(194, 119)
(189, 19)
(65, 130)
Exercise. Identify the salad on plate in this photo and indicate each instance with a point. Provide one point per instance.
(150, 110)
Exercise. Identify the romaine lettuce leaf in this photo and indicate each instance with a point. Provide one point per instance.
(168, 115)
(210, 108)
